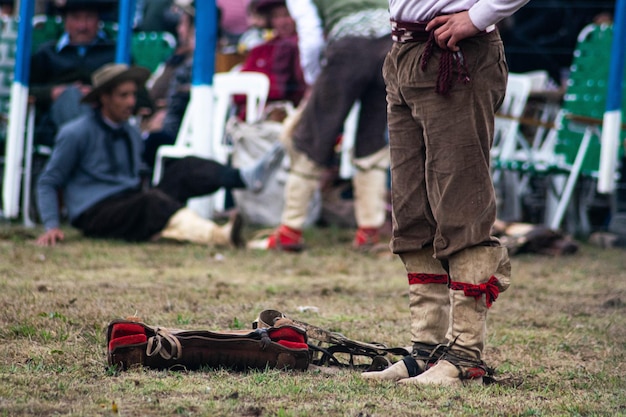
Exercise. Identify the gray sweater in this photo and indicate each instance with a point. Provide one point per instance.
(90, 162)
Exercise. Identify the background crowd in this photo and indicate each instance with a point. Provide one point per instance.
(263, 36)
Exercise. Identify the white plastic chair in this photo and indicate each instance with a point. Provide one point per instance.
(507, 123)
(539, 79)
(507, 140)
(255, 86)
(193, 142)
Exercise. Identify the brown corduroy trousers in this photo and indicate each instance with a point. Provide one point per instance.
(442, 191)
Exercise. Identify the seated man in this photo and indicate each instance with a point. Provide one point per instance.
(95, 164)
(61, 69)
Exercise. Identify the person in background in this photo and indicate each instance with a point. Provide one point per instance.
(342, 46)
(163, 127)
(7, 8)
(95, 166)
(446, 77)
(42, 6)
(233, 21)
(171, 90)
(61, 69)
(258, 30)
(155, 16)
(278, 58)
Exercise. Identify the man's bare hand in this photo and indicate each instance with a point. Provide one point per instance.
(56, 91)
(452, 28)
(83, 88)
(50, 238)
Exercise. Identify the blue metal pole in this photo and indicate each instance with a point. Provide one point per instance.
(124, 35)
(200, 108)
(206, 41)
(618, 54)
(24, 41)
(611, 123)
(14, 151)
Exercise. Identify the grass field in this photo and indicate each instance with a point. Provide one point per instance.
(557, 337)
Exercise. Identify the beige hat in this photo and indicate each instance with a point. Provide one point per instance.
(110, 75)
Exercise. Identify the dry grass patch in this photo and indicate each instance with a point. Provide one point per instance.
(557, 337)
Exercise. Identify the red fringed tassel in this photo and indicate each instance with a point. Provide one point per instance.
(445, 80)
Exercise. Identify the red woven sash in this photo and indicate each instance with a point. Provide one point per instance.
(421, 278)
(489, 288)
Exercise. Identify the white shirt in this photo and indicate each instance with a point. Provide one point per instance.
(310, 37)
(483, 13)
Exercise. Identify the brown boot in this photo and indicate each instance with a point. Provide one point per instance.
(233, 230)
(429, 304)
(477, 276)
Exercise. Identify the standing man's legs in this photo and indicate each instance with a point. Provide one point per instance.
(414, 224)
(452, 205)
(352, 68)
(371, 154)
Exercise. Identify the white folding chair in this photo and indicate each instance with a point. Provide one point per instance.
(255, 87)
(507, 140)
(507, 135)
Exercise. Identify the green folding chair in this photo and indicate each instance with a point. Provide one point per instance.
(577, 147)
(151, 49)
(571, 149)
(45, 28)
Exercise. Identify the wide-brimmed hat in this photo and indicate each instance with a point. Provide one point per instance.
(63, 6)
(264, 6)
(110, 75)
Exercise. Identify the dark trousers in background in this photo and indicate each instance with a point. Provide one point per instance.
(137, 215)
